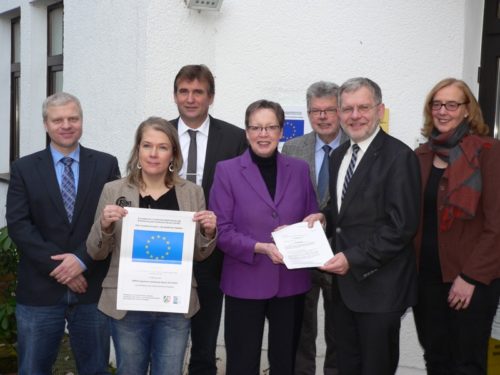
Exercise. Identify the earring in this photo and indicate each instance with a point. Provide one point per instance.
(171, 167)
(139, 165)
(466, 116)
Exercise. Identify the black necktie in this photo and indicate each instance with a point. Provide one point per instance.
(192, 155)
(350, 169)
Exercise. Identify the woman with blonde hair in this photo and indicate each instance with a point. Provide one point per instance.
(146, 339)
(458, 242)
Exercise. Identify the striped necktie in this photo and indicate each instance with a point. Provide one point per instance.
(350, 169)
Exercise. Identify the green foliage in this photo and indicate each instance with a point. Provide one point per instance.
(9, 258)
(8, 254)
(8, 329)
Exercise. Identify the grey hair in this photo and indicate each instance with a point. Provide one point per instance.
(354, 84)
(58, 99)
(321, 89)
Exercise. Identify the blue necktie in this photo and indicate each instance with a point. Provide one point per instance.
(323, 174)
(350, 169)
(68, 190)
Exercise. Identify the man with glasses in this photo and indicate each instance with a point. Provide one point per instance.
(315, 148)
(204, 141)
(372, 218)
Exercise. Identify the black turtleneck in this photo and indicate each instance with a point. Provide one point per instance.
(268, 169)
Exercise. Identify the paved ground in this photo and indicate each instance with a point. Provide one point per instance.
(407, 327)
(264, 366)
(409, 355)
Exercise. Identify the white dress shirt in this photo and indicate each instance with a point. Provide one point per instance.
(363, 146)
(201, 147)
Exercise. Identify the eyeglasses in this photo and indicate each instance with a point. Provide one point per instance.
(362, 109)
(267, 129)
(450, 106)
(326, 112)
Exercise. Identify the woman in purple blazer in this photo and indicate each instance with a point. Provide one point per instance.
(252, 195)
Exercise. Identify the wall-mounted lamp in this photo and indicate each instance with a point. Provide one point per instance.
(203, 4)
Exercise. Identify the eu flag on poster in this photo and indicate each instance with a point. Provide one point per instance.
(157, 247)
(292, 128)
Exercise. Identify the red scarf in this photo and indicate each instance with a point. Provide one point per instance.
(461, 151)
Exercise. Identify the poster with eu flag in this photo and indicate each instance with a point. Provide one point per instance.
(157, 247)
(292, 128)
(156, 260)
(296, 123)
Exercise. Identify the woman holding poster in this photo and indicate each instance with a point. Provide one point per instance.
(145, 339)
(253, 195)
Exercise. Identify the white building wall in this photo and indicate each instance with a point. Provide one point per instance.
(120, 59)
(472, 42)
(3, 193)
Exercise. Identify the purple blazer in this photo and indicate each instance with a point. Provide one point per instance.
(246, 214)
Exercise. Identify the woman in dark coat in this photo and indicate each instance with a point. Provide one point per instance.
(458, 242)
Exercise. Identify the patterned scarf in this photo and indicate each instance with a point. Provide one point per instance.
(461, 151)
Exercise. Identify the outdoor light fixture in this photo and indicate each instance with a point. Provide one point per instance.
(203, 4)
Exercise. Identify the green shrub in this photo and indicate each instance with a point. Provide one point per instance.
(9, 258)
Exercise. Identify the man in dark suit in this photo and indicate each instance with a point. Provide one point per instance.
(372, 217)
(315, 148)
(204, 141)
(51, 203)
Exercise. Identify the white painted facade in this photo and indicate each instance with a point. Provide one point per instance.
(120, 59)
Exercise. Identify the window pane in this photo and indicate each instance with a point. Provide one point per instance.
(56, 31)
(14, 121)
(17, 85)
(57, 81)
(16, 41)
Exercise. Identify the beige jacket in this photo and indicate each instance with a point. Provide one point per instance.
(99, 245)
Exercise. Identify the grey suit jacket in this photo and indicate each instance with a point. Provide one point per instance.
(100, 245)
(304, 148)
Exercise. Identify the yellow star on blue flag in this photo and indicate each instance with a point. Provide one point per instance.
(292, 128)
(157, 247)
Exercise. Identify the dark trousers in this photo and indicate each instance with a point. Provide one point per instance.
(305, 361)
(244, 327)
(455, 342)
(205, 324)
(367, 343)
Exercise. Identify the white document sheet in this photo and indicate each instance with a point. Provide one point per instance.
(303, 247)
(156, 260)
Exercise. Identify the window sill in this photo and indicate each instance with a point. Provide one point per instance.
(5, 177)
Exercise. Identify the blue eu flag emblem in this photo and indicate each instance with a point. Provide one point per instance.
(157, 247)
(292, 129)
